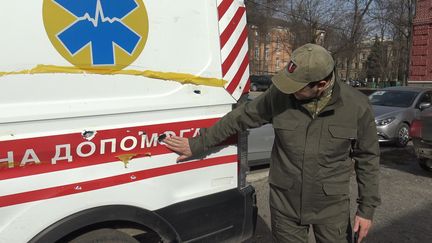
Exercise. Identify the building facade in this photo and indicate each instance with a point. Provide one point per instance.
(269, 48)
(382, 58)
(421, 51)
(347, 71)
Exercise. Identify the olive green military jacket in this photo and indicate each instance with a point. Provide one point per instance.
(312, 158)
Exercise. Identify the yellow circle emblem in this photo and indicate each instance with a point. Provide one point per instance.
(97, 35)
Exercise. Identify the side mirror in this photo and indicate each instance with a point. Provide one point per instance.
(424, 105)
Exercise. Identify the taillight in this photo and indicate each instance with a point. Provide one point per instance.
(416, 129)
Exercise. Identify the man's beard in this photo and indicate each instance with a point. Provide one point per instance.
(309, 99)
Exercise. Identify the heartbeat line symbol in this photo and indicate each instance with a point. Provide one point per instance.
(99, 15)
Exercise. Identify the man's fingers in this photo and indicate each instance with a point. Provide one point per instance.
(172, 147)
(176, 141)
(356, 224)
(362, 234)
(180, 145)
(171, 141)
(361, 226)
(182, 157)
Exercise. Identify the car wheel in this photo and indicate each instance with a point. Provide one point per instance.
(104, 236)
(402, 135)
(253, 87)
(425, 164)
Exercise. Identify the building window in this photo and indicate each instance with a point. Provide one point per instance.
(266, 53)
(256, 53)
(277, 63)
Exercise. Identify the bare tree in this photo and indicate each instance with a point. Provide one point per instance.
(308, 19)
(260, 14)
(341, 21)
(345, 24)
(398, 16)
(353, 32)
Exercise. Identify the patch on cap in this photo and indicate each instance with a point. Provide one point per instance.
(291, 67)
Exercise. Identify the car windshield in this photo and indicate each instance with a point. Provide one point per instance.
(394, 98)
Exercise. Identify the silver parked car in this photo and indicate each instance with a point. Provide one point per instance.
(395, 108)
(260, 141)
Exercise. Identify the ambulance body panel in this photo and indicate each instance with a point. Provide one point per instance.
(89, 90)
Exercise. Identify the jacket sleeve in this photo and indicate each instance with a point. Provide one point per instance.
(248, 115)
(366, 158)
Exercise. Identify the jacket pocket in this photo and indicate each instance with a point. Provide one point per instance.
(343, 132)
(287, 136)
(335, 144)
(332, 189)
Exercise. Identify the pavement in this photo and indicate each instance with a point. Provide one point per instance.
(405, 215)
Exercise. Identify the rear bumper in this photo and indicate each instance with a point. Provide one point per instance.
(226, 216)
(422, 149)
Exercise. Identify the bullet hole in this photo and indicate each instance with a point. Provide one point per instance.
(161, 137)
(88, 135)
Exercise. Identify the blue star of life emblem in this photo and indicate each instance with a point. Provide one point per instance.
(99, 24)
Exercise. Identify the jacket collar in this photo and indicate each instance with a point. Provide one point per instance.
(336, 99)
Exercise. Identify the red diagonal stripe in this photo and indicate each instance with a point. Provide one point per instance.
(223, 7)
(229, 30)
(226, 65)
(247, 87)
(92, 185)
(237, 78)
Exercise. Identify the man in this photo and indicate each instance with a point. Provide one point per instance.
(321, 127)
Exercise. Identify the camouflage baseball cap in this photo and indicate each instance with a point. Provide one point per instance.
(309, 63)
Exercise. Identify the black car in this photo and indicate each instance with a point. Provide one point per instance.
(260, 82)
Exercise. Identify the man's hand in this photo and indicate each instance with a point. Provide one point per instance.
(361, 226)
(179, 145)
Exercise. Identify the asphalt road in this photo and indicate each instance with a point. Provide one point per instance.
(405, 215)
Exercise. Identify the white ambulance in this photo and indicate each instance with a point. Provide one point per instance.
(89, 88)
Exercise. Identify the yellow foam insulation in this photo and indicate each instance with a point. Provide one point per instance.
(126, 158)
(183, 78)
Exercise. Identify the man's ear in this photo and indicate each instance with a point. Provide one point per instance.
(322, 84)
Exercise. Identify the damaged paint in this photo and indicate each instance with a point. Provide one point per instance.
(88, 135)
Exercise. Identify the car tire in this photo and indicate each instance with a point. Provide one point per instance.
(104, 236)
(425, 164)
(402, 135)
(253, 87)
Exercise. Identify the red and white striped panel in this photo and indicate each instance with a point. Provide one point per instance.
(234, 46)
(29, 177)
